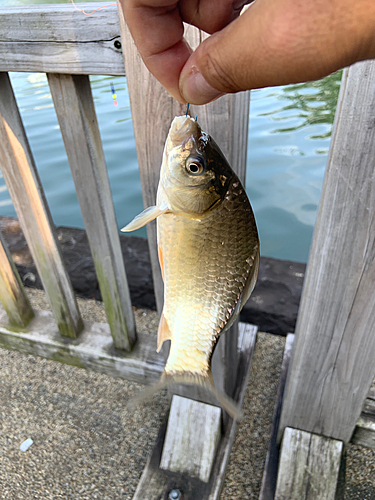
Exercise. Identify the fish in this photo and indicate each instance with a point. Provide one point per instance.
(208, 250)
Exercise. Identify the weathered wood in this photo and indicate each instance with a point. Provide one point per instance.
(156, 482)
(152, 111)
(93, 349)
(364, 433)
(12, 293)
(22, 180)
(333, 364)
(60, 39)
(79, 127)
(309, 466)
(268, 488)
(193, 433)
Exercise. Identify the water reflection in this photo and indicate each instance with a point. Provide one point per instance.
(289, 138)
(312, 103)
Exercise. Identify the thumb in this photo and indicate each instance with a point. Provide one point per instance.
(274, 42)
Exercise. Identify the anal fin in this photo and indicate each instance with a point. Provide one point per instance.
(164, 332)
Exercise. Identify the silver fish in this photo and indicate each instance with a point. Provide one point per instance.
(208, 251)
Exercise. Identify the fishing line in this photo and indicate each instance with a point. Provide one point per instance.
(93, 12)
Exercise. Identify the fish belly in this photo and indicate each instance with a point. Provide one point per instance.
(207, 263)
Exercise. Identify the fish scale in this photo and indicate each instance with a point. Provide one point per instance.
(201, 267)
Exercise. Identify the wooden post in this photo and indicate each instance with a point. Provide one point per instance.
(79, 127)
(192, 436)
(334, 359)
(22, 180)
(152, 112)
(12, 293)
(309, 467)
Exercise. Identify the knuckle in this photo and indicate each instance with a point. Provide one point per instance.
(216, 70)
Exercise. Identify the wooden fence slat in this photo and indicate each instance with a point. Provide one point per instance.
(60, 39)
(309, 467)
(22, 180)
(333, 364)
(12, 293)
(152, 112)
(78, 124)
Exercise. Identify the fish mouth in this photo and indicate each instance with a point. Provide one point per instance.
(182, 128)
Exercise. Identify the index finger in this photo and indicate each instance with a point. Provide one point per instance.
(157, 29)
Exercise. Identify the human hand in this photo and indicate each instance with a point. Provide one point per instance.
(274, 42)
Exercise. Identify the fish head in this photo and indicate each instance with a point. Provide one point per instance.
(195, 175)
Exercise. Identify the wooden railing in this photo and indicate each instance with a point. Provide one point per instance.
(333, 363)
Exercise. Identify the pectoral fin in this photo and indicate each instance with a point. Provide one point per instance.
(164, 332)
(144, 218)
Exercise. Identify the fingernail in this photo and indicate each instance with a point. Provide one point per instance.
(196, 90)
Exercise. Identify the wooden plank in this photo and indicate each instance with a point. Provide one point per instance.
(60, 39)
(79, 127)
(364, 433)
(22, 180)
(191, 439)
(156, 482)
(93, 350)
(152, 112)
(12, 293)
(333, 364)
(268, 488)
(309, 466)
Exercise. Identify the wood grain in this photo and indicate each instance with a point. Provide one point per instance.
(309, 466)
(12, 293)
(22, 180)
(93, 350)
(60, 39)
(79, 127)
(334, 360)
(192, 436)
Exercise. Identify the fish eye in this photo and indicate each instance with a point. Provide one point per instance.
(195, 166)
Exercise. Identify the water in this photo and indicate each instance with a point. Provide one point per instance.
(289, 136)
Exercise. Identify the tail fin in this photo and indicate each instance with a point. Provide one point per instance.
(167, 380)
